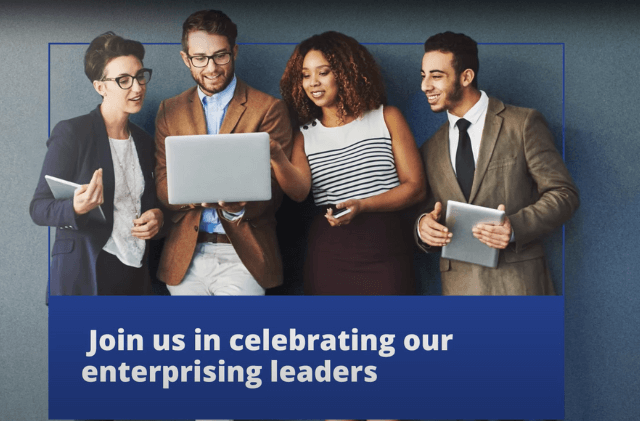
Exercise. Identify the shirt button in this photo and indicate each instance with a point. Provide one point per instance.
(195, 228)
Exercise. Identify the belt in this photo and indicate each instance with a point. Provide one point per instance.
(205, 237)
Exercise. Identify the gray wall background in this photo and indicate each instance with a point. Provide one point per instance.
(602, 289)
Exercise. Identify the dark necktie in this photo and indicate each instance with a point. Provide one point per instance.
(465, 166)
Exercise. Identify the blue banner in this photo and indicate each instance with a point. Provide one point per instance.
(298, 357)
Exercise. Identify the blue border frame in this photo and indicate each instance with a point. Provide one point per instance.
(369, 43)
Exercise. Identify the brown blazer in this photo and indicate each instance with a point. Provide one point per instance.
(254, 235)
(519, 166)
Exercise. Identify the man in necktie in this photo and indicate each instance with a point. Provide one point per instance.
(494, 155)
(219, 248)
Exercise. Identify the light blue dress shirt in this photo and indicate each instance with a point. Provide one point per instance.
(215, 108)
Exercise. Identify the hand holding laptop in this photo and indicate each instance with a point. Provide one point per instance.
(431, 232)
(231, 207)
(494, 235)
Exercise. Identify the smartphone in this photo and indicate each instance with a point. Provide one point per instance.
(337, 213)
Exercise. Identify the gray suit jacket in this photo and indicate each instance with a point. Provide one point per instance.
(519, 166)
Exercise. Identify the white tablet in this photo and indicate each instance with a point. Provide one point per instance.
(460, 220)
(63, 189)
(224, 167)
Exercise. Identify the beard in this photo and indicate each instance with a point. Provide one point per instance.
(211, 87)
(453, 97)
(456, 94)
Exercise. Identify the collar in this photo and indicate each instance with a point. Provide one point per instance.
(221, 99)
(474, 114)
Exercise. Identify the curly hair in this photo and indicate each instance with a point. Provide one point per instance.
(359, 80)
(105, 48)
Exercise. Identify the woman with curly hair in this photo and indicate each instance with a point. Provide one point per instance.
(358, 156)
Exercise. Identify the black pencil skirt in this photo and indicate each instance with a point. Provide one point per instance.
(372, 255)
(116, 278)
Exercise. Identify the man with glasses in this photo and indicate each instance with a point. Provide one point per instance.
(221, 248)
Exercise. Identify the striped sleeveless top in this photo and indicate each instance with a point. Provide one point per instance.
(354, 161)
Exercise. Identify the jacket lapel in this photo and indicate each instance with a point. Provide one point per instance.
(236, 108)
(145, 155)
(106, 163)
(492, 125)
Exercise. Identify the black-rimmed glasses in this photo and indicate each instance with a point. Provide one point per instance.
(203, 61)
(126, 81)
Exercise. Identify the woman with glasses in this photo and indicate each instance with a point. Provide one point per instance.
(113, 161)
(357, 155)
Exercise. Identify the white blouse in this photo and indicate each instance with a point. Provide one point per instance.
(353, 161)
(126, 203)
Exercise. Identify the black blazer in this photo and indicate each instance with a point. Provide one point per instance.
(76, 148)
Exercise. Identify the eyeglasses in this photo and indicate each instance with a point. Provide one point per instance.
(126, 81)
(203, 61)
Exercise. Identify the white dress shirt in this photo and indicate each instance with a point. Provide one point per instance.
(476, 116)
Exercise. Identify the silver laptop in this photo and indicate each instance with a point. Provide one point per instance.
(460, 219)
(224, 167)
